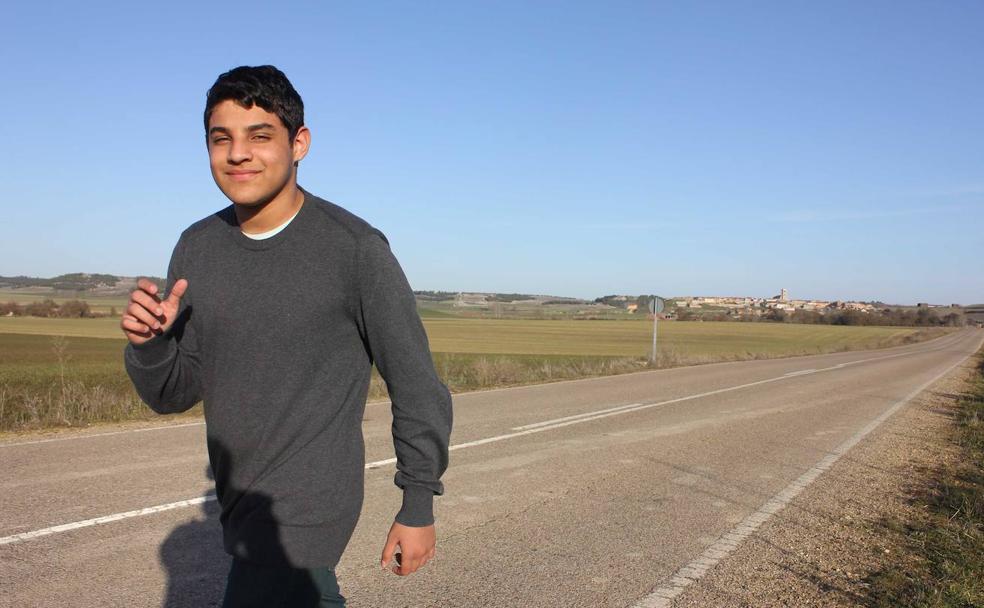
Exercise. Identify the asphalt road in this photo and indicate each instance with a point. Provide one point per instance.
(601, 492)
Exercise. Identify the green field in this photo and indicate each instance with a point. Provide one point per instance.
(100, 327)
(634, 338)
(566, 337)
(70, 371)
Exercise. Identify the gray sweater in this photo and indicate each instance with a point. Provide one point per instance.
(278, 337)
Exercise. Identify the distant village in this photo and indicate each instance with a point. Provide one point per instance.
(778, 302)
(744, 305)
(779, 307)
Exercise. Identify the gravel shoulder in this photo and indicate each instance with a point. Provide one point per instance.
(822, 547)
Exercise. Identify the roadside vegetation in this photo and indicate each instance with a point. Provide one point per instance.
(944, 565)
(59, 372)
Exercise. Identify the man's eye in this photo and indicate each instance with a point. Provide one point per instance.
(261, 137)
(219, 140)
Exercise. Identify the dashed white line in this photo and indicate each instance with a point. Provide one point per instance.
(575, 416)
(801, 372)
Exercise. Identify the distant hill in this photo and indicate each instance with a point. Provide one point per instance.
(81, 283)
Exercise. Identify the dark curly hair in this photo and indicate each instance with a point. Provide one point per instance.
(263, 85)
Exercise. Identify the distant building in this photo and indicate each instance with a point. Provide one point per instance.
(782, 297)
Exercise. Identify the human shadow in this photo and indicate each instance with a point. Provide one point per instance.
(198, 565)
(193, 557)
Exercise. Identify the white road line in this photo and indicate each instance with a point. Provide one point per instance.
(16, 538)
(662, 596)
(546, 422)
(52, 439)
(208, 497)
(547, 426)
(801, 372)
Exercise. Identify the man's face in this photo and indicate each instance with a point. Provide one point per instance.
(251, 156)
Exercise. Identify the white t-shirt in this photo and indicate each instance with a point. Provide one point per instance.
(269, 233)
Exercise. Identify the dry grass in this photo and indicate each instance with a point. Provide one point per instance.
(945, 548)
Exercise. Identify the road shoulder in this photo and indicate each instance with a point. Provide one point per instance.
(821, 549)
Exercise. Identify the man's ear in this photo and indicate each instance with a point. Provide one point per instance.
(301, 144)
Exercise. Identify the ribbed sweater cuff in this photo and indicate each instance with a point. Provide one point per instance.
(153, 352)
(418, 507)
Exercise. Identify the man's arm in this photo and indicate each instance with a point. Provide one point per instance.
(422, 414)
(162, 357)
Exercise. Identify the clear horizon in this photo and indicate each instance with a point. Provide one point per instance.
(570, 149)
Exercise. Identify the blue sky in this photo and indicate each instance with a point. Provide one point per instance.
(569, 148)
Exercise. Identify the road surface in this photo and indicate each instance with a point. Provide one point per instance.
(614, 491)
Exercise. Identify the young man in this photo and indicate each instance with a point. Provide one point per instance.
(276, 308)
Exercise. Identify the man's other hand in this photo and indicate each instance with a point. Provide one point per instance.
(146, 314)
(417, 546)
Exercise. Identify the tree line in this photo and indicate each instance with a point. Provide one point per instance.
(48, 308)
(920, 317)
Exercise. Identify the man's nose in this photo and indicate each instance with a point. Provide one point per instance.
(239, 151)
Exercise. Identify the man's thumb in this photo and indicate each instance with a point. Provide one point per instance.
(388, 550)
(177, 290)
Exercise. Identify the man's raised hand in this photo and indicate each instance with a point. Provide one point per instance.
(146, 314)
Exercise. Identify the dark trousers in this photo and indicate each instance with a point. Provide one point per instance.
(260, 586)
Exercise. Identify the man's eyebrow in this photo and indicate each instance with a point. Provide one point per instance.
(251, 128)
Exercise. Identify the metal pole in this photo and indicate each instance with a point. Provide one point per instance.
(655, 317)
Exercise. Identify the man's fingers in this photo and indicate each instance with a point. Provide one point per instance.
(132, 325)
(177, 290)
(410, 565)
(406, 567)
(147, 285)
(143, 315)
(388, 549)
(151, 303)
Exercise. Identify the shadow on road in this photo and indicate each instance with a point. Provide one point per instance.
(197, 563)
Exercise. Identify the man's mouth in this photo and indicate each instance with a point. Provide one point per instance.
(242, 176)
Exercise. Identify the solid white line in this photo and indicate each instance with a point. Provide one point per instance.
(208, 497)
(16, 538)
(662, 596)
(548, 425)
